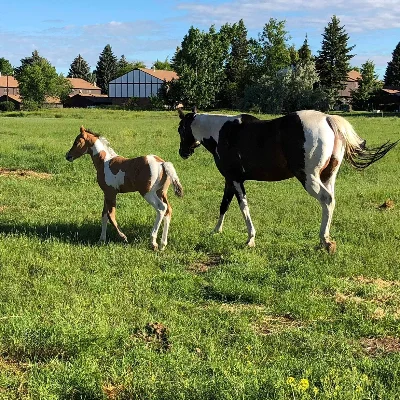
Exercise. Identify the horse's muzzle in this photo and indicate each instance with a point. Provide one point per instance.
(69, 158)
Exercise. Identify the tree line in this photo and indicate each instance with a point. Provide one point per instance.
(226, 69)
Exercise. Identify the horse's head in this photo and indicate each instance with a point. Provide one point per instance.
(188, 141)
(80, 146)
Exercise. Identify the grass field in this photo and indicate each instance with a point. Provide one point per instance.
(208, 318)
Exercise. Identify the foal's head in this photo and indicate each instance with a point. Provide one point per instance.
(188, 142)
(81, 145)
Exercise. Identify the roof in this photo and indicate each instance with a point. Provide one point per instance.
(15, 97)
(12, 82)
(79, 83)
(88, 95)
(162, 74)
(395, 92)
(353, 75)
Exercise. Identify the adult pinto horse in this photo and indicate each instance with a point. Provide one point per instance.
(308, 145)
(149, 175)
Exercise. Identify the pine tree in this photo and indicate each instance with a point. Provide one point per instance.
(79, 69)
(106, 69)
(333, 59)
(392, 74)
(304, 52)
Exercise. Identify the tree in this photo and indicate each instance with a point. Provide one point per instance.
(5, 67)
(164, 65)
(333, 59)
(199, 63)
(368, 85)
(106, 69)
(275, 51)
(35, 57)
(79, 69)
(40, 80)
(392, 74)
(304, 52)
(236, 65)
(124, 66)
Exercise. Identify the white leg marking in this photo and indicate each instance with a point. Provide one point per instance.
(160, 208)
(164, 238)
(220, 224)
(250, 227)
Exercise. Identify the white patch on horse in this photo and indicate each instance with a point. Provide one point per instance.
(113, 180)
(101, 144)
(207, 126)
(155, 172)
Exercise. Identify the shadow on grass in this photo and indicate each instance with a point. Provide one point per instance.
(82, 234)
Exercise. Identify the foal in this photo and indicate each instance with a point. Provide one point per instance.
(149, 175)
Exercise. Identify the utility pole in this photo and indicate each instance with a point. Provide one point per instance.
(7, 89)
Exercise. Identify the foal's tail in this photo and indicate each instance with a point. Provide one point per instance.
(357, 153)
(170, 171)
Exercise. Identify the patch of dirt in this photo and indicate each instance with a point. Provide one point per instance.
(275, 324)
(112, 392)
(24, 173)
(201, 267)
(387, 205)
(378, 346)
(241, 307)
(380, 283)
(156, 335)
(13, 366)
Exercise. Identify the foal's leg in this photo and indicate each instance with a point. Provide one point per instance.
(161, 208)
(110, 203)
(229, 191)
(167, 218)
(104, 221)
(317, 189)
(240, 194)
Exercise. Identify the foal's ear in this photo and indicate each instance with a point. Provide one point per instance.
(82, 129)
(181, 114)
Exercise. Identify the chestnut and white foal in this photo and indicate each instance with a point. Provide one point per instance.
(149, 175)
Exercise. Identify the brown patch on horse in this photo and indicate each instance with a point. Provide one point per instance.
(159, 159)
(327, 170)
(387, 205)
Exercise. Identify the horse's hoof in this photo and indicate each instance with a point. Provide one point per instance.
(101, 242)
(162, 247)
(330, 247)
(154, 246)
(251, 242)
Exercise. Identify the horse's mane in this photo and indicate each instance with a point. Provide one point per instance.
(105, 142)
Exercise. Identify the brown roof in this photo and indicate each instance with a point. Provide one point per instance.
(15, 97)
(88, 95)
(392, 91)
(353, 75)
(162, 74)
(79, 83)
(12, 82)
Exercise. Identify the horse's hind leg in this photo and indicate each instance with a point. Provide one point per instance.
(167, 219)
(240, 194)
(229, 192)
(161, 208)
(317, 189)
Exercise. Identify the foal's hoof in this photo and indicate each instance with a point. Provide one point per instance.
(330, 247)
(154, 246)
(251, 242)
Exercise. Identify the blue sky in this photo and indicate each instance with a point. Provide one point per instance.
(148, 30)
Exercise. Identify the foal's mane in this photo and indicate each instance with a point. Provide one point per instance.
(105, 142)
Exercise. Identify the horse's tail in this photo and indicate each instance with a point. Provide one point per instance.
(171, 172)
(356, 151)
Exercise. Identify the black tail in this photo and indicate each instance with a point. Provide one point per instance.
(364, 157)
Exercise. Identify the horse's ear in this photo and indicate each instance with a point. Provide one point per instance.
(82, 129)
(194, 110)
(180, 112)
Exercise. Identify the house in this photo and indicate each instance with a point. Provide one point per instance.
(8, 84)
(80, 86)
(87, 100)
(13, 98)
(388, 99)
(141, 83)
(351, 83)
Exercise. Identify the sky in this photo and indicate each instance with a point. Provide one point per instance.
(148, 30)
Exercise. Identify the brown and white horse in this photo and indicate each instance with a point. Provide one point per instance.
(308, 145)
(149, 175)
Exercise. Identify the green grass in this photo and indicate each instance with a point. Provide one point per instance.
(281, 321)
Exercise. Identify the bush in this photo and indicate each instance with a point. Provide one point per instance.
(7, 106)
(30, 105)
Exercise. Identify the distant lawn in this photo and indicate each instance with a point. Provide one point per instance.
(208, 318)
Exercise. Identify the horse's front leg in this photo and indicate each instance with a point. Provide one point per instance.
(229, 191)
(109, 205)
(240, 194)
(104, 221)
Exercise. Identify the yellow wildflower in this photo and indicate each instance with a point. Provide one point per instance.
(290, 380)
(304, 384)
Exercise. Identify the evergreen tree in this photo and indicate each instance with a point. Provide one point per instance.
(368, 85)
(392, 75)
(5, 67)
(333, 59)
(79, 69)
(304, 52)
(106, 69)
(163, 65)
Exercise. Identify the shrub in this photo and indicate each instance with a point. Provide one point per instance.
(7, 106)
